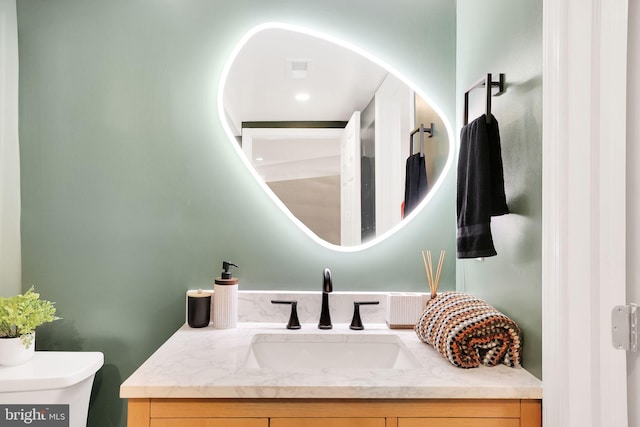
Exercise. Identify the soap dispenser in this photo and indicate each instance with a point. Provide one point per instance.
(225, 299)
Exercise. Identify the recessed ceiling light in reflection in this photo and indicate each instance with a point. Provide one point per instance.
(259, 159)
(302, 96)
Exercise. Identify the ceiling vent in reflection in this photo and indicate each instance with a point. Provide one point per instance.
(298, 68)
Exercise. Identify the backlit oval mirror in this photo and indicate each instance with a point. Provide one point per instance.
(332, 133)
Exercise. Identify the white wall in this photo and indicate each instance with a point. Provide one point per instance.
(633, 203)
(10, 267)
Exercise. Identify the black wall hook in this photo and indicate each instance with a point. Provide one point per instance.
(422, 129)
(488, 83)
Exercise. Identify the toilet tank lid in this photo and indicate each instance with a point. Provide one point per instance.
(50, 370)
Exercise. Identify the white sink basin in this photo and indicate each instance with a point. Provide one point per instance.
(328, 351)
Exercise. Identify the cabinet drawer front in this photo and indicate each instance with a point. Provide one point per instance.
(209, 422)
(458, 422)
(327, 422)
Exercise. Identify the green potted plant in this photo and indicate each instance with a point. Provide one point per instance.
(20, 315)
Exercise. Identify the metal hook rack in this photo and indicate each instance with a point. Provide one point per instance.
(488, 83)
(422, 131)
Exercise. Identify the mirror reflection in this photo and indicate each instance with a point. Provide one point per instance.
(347, 146)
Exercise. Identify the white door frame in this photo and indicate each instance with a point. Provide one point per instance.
(583, 242)
(350, 183)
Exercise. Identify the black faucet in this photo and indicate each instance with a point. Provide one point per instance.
(327, 287)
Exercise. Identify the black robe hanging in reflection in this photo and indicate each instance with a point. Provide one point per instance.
(415, 187)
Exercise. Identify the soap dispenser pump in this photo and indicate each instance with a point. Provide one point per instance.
(226, 274)
(225, 299)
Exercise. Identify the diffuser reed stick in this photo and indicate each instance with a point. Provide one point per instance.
(427, 270)
(428, 267)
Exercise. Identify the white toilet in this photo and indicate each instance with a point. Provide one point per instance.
(52, 378)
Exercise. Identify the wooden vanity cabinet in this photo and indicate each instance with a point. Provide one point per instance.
(327, 422)
(209, 422)
(458, 422)
(334, 413)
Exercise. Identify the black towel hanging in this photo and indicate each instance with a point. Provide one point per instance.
(487, 83)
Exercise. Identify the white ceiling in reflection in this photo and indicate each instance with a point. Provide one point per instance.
(261, 86)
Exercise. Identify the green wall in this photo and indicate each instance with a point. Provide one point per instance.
(505, 36)
(131, 192)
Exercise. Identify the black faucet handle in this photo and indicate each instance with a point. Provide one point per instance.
(294, 323)
(356, 322)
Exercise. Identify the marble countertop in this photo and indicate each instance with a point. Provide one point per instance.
(210, 363)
